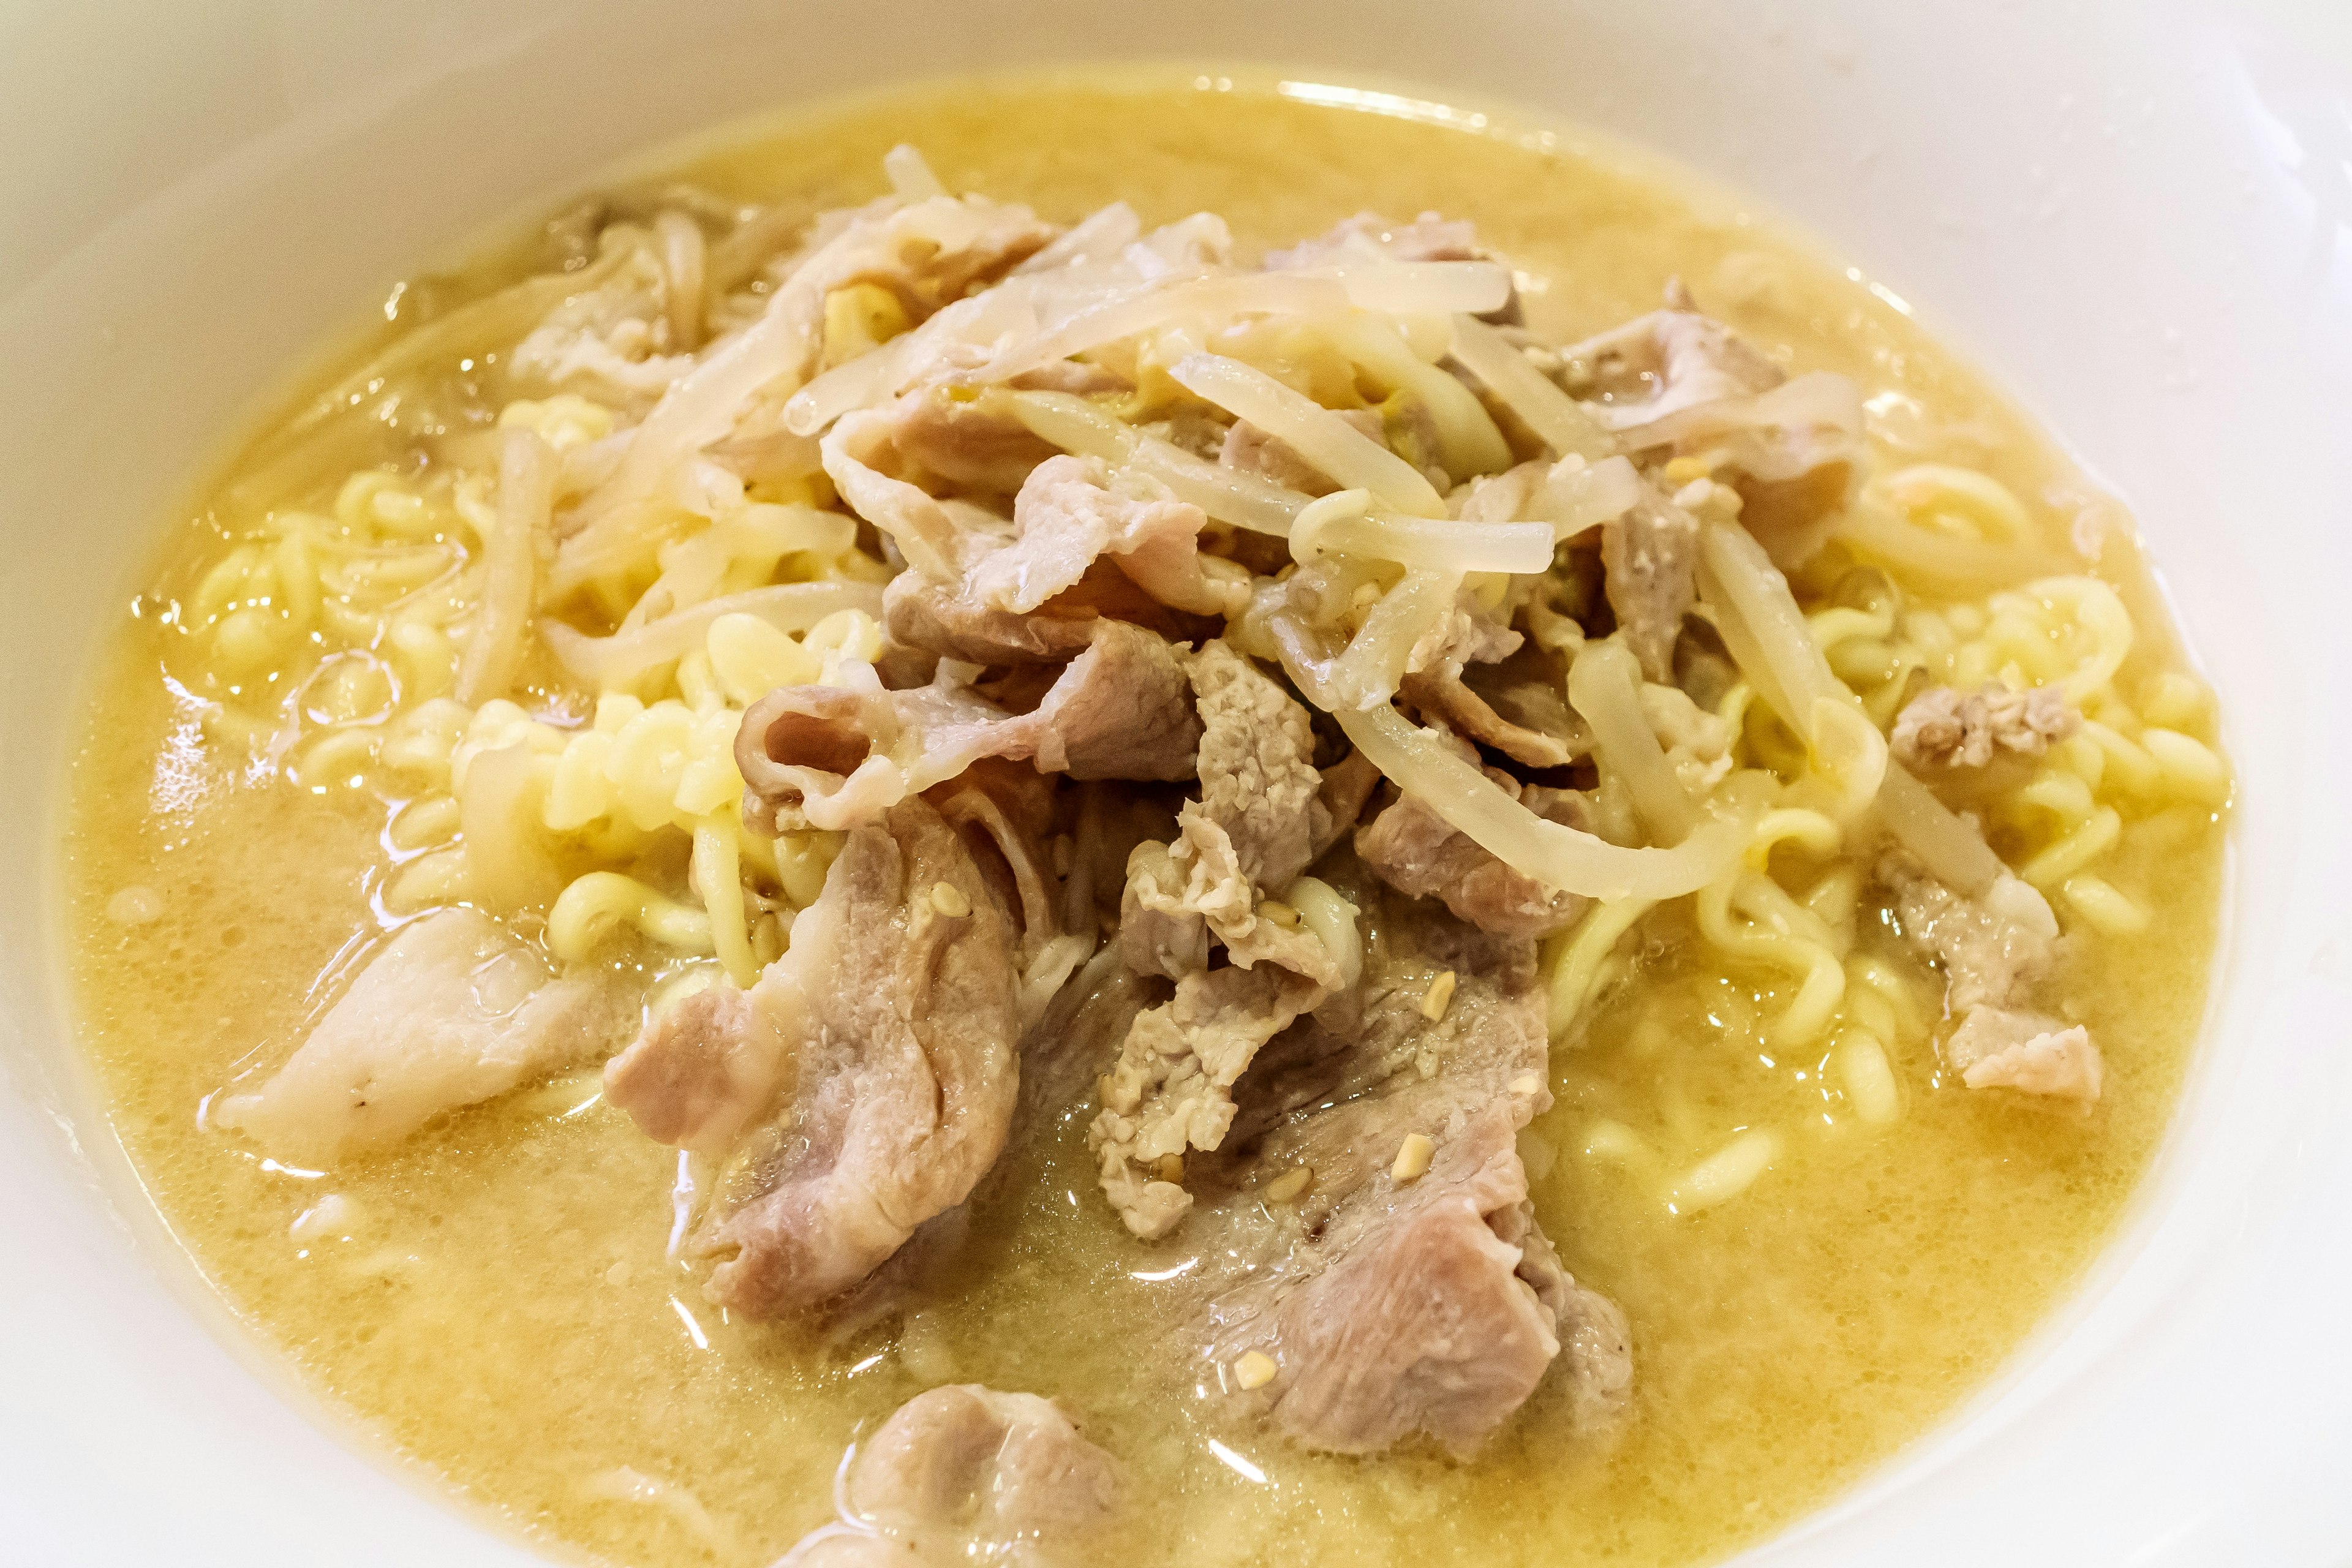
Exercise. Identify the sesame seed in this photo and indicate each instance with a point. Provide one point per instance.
(1440, 995)
(1412, 1157)
(949, 900)
(1291, 1185)
(1280, 913)
(1255, 1370)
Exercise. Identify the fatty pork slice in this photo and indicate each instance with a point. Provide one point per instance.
(1668, 361)
(1070, 515)
(965, 1473)
(839, 756)
(861, 1086)
(1994, 949)
(1676, 381)
(1381, 1300)
(455, 1011)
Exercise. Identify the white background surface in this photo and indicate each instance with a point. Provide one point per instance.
(2139, 216)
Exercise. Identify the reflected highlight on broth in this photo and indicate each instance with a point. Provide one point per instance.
(990, 828)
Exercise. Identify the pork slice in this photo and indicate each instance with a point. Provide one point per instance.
(1425, 1318)
(701, 1070)
(1467, 633)
(1066, 516)
(1162, 927)
(860, 1087)
(1943, 728)
(1171, 1087)
(923, 614)
(1666, 361)
(453, 1012)
(965, 1473)
(1388, 1304)
(1258, 783)
(838, 757)
(1518, 706)
(1347, 788)
(1677, 381)
(1999, 1048)
(1069, 512)
(975, 443)
(1025, 591)
(1012, 810)
(1252, 831)
(1994, 949)
(1428, 238)
(1419, 854)
(1649, 558)
(929, 253)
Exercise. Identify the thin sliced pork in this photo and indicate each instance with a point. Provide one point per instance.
(860, 1088)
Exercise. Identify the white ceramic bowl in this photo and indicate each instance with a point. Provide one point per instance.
(2139, 216)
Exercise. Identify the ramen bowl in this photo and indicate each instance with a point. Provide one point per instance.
(2138, 218)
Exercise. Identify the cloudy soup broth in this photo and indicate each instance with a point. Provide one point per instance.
(1755, 1134)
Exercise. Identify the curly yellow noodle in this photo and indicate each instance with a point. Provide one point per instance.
(1870, 1086)
(718, 877)
(422, 824)
(2077, 848)
(2104, 907)
(1577, 956)
(1747, 917)
(600, 902)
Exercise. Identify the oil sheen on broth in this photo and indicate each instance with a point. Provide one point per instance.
(492, 1299)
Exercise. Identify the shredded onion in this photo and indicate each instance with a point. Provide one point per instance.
(1350, 456)
(910, 174)
(1576, 499)
(1417, 288)
(1551, 853)
(606, 662)
(1369, 670)
(510, 866)
(1768, 637)
(495, 645)
(1429, 543)
(1466, 431)
(1154, 304)
(1558, 420)
(882, 373)
(1605, 686)
(701, 405)
(1941, 842)
(1101, 235)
